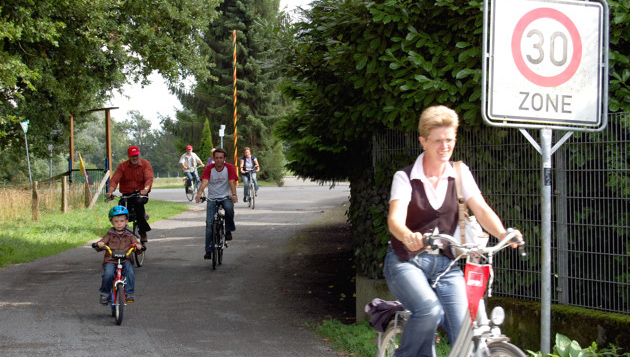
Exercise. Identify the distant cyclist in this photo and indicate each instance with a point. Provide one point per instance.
(189, 162)
(134, 174)
(220, 178)
(249, 162)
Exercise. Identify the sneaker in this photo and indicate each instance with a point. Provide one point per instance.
(245, 199)
(130, 297)
(228, 235)
(207, 256)
(256, 193)
(143, 238)
(104, 300)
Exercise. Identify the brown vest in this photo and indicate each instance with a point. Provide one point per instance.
(423, 218)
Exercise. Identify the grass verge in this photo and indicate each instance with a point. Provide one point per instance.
(25, 240)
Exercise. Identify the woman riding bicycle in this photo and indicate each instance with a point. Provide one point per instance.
(423, 198)
(220, 178)
(249, 166)
(189, 161)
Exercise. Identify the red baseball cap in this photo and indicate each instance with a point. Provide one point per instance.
(189, 147)
(133, 151)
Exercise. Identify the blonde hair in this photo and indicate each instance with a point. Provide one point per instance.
(436, 117)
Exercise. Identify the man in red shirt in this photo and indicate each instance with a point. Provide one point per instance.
(134, 174)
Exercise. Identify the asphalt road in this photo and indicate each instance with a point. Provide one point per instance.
(49, 307)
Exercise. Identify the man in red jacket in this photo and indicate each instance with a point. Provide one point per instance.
(134, 174)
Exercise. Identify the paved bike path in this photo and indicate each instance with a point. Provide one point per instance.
(49, 307)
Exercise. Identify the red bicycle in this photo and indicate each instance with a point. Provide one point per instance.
(117, 296)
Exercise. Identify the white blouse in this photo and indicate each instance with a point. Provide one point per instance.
(401, 185)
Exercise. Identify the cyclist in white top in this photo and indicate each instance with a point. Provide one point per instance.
(189, 163)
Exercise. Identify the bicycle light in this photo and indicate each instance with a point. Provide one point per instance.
(497, 316)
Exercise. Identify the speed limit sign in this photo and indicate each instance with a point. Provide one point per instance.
(546, 64)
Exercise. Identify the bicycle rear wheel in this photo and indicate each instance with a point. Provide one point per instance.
(390, 339)
(504, 349)
(119, 303)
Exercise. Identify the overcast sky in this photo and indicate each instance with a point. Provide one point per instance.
(155, 99)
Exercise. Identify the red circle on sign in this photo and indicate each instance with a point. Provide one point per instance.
(530, 75)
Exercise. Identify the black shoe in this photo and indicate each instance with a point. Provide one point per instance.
(207, 256)
(228, 235)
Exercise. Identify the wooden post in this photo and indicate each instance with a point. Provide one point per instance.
(88, 199)
(64, 194)
(35, 204)
(71, 160)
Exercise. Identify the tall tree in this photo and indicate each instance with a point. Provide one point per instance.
(260, 103)
(62, 58)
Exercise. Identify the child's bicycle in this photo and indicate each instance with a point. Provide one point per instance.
(480, 335)
(138, 255)
(117, 296)
(218, 231)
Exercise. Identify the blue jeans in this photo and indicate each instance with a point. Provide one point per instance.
(228, 206)
(446, 305)
(109, 273)
(190, 176)
(246, 183)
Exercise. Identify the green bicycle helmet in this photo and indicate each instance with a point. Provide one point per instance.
(118, 211)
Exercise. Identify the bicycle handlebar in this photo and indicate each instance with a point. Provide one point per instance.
(251, 170)
(106, 247)
(134, 194)
(203, 199)
(433, 241)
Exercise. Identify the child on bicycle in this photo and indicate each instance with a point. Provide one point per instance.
(117, 238)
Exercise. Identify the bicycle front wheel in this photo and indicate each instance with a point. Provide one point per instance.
(190, 193)
(504, 349)
(390, 339)
(119, 303)
(252, 196)
(139, 257)
(215, 249)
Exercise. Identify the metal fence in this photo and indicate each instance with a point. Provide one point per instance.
(590, 207)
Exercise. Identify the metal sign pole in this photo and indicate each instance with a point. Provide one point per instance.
(545, 212)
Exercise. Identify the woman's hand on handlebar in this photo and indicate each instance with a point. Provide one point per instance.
(413, 241)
